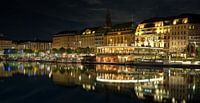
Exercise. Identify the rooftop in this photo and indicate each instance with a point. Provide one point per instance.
(25, 41)
(193, 18)
(62, 33)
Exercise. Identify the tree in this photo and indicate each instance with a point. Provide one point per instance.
(198, 51)
(28, 50)
(62, 50)
(78, 50)
(41, 51)
(54, 50)
(87, 50)
(69, 50)
(14, 51)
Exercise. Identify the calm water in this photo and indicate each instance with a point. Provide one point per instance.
(67, 83)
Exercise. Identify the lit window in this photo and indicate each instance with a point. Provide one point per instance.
(190, 27)
(158, 31)
(141, 26)
(175, 21)
(158, 24)
(185, 20)
(193, 27)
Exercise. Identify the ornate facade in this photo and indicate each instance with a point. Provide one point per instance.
(87, 37)
(33, 45)
(120, 35)
(172, 33)
(5, 43)
(65, 39)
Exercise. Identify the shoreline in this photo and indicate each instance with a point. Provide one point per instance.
(195, 66)
(157, 64)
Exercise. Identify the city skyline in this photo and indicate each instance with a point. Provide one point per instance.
(40, 19)
(100, 51)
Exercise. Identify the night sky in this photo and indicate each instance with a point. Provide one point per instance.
(30, 19)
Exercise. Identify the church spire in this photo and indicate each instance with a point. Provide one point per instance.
(108, 19)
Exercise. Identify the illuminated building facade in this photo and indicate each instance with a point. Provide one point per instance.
(65, 39)
(5, 43)
(87, 37)
(120, 35)
(100, 36)
(33, 45)
(118, 44)
(114, 54)
(172, 33)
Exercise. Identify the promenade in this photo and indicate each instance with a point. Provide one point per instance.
(150, 64)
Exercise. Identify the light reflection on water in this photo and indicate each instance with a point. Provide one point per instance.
(139, 83)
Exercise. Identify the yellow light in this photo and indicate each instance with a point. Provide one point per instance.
(157, 91)
(175, 21)
(79, 77)
(141, 26)
(185, 20)
(157, 31)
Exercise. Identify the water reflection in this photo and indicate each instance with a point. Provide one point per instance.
(143, 83)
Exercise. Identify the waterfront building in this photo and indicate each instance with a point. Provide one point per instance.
(95, 37)
(174, 33)
(102, 31)
(120, 35)
(114, 54)
(118, 44)
(100, 36)
(33, 44)
(5, 43)
(87, 37)
(65, 39)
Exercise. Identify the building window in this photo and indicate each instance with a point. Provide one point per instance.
(190, 27)
(193, 27)
(185, 20)
(175, 21)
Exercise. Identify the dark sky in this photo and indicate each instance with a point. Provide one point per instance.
(29, 19)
